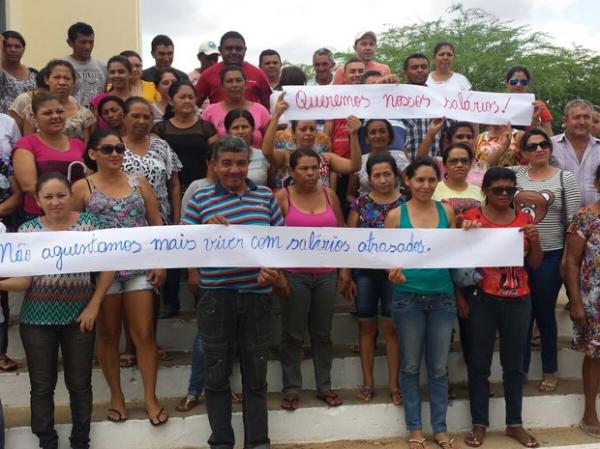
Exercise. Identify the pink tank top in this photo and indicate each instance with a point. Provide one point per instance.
(295, 217)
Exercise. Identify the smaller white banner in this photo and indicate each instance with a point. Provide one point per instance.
(396, 101)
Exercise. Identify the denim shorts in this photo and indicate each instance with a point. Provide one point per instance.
(374, 288)
(139, 282)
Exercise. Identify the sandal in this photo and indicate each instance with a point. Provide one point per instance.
(156, 420)
(236, 398)
(446, 444)
(521, 435)
(548, 384)
(591, 431)
(330, 398)
(163, 355)
(365, 394)
(290, 402)
(476, 436)
(7, 364)
(396, 397)
(451, 393)
(413, 442)
(188, 402)
(127, 360)
(115, 416)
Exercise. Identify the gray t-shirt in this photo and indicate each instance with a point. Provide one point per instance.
(91, 79)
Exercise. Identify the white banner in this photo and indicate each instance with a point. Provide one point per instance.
(405, 101)
(38, 253)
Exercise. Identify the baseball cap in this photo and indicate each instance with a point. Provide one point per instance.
(208, 48)
(362, 34)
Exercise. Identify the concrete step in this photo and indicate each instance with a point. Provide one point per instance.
(177, 333)
(173, 376)
(315, 422)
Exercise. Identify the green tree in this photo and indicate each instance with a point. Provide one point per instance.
(486, 47)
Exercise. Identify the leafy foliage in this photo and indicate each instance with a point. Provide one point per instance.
(486, 47)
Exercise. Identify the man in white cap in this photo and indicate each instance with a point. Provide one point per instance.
(208, 54)
(365, 46)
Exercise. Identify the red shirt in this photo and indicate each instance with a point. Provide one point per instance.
(257, 85)
(340, 138)
(507, 282)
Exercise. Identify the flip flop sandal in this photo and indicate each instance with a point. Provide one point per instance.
(413, 441)
(330, 398)
(236, 398)
(591, 431)
(475, 437)
(290, 402)
(187, 403)
(156, 421)
(365, 394)
(446, 444)
(7, 364)
(548, 385)
(115, 416)
(127, 360)
(525, 438)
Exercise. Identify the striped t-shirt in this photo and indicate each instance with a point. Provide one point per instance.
(257, 206)
(542, 199)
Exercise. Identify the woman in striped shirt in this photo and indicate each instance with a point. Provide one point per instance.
(551, 196)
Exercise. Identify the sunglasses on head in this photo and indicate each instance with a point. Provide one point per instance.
(510, 191)
(109, 149)
(544, 145)
(514, 82)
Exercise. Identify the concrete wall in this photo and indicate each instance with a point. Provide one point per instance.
(44, 24)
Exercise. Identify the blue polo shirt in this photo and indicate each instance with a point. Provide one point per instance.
(256, 206)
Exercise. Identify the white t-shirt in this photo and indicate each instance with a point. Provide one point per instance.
(9, 134)
(91, 79)
(455, 82)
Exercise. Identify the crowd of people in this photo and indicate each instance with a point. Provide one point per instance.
(87, 145)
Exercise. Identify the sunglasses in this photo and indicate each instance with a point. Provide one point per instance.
(109, 149)
(497, 191)
(545, 145)
(514, 82)
(458, 160)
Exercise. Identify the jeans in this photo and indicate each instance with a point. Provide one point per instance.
(41, 345)
(509, 317)
(310, 305)
(373, 287)
(231, 321)
(545, 283)
(196, 384)
(170, 291)
(424, 324)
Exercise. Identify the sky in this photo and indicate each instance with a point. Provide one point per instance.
(296, 29)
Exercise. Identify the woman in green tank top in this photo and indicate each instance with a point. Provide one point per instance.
(423, 309)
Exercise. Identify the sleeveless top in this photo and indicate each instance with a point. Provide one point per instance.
(425, 281)
(295, 217)
(126, 212)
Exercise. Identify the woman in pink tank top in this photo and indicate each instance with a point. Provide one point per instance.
(311, 300)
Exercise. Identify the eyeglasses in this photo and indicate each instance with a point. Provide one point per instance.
(458, 160)
(514, 82)
(510, 191)
(109, 149)
(544, 145)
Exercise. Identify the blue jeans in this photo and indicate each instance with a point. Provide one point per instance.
(373, 287)
(509, 317)
(545, 283)
(424, 324)
(231, 321)
(196, 384)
